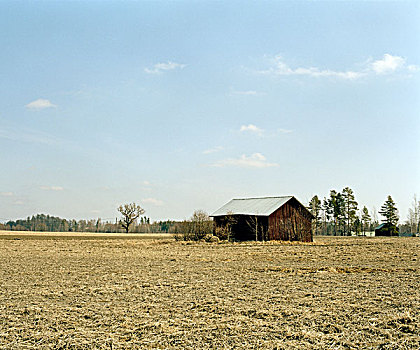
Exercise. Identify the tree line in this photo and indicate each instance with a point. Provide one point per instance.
(339, 215)
(47, 223)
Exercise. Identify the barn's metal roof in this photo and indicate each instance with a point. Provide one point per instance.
(263, 206)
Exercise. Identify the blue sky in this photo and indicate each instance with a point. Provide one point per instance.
(184, 105)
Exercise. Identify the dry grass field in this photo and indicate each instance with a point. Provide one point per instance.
(84, 292)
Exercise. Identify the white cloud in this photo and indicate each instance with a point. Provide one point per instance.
(279, 67)
(256, 160)
(163, 67)
(284, 131)
(251, 128)
(51, 188)
(213, 150)
(153, 201)
(6, 194)
(146, 186)
(388, 64)
(40, 104)
(247, 93)
(261, 132)
(413, 68)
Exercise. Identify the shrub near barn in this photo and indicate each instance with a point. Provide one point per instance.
(198, 227)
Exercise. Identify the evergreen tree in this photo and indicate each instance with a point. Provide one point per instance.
(390, 212)
(336, 208)
(350, 209)
(357, 225)
(365, 219)
(326, 215)
(315, 209)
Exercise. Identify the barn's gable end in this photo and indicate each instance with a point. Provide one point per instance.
(291, 222)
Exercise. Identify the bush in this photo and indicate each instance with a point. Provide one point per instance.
(196, 228)
(221, 233)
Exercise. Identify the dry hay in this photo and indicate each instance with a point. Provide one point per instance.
(337, 293)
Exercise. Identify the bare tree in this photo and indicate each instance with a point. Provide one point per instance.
(201, 225)
(253, 224)
(196, 228)
(413, 218)
(130, 213)
(375, 220)
(231, 220)
(224, 229)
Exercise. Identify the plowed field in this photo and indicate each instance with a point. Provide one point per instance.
(100, 293)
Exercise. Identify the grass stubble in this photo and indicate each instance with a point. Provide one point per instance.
(115, 293)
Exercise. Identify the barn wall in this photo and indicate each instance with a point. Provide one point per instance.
(244, 227)
(291, 222)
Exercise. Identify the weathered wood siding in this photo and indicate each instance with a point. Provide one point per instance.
(291, 222)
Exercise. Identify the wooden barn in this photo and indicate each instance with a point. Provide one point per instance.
(262, 219)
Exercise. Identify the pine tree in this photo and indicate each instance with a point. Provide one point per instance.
(390, 212)
(365, 219)
(357, 225)
(336, 208)
(315, 209)
(326, 214)
(350, 209)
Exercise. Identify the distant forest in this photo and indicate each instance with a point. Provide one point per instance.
(47, 223)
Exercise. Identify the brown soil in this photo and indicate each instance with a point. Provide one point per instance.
(84, 293)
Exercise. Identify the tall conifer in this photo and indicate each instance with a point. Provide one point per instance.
(390, 212)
